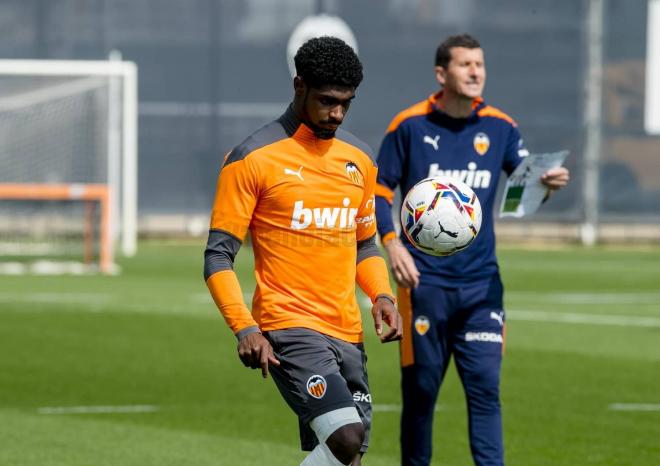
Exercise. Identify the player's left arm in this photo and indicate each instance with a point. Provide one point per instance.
(556, 178)
(553, 179)
(371, 274)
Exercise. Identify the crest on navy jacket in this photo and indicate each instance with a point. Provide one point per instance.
(481, 143)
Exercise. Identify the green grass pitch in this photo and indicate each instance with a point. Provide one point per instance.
(152, 368)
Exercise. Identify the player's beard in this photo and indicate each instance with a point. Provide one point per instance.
(319, 132)
(323, 133)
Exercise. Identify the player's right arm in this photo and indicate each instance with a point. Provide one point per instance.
(235, 199)
(392, 157)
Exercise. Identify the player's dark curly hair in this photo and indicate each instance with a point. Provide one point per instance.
(328, 61)
(443, 53)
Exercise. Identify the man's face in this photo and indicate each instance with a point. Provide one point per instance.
(465, 74)
(323, 109)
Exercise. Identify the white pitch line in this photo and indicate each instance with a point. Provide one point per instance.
(98, 409)
(589, 298)
(386, 408)
(205, 298)
(634, 407)
(56, 297)
(393, 408)
(101, 301)
(588, 319)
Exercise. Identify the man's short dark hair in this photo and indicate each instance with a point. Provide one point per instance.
(328, 61)
(443, 53)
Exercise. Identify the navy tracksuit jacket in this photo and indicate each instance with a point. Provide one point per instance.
(457, 308)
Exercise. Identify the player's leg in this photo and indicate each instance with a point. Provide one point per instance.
(478, 357)
(340, 435)
(424, 359)
(310, 381)
(349, 441)
(353, 367)
(333, 438)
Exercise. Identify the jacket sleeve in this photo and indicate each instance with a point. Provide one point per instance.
(392, 157)
(515, 150)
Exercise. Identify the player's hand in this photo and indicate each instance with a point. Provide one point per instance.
(384, 310)
(555, 178)
(255, 352)
(402, 264)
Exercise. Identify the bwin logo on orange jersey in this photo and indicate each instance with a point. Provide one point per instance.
(323, 217)
(316, 386)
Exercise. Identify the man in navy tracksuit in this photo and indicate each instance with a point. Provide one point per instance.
(451, 305)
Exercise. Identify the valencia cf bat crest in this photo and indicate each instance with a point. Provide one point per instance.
(422, 325)
(316, 386)
(481, 143)
(354, 173)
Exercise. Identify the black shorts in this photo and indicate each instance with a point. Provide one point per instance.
(318, 374)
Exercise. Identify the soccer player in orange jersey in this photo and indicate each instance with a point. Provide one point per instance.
(305, 190)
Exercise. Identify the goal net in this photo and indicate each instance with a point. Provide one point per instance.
(67, 165)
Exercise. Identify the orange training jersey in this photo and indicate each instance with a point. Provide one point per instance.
(307, 202)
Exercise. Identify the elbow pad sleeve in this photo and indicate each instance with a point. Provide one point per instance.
(227, 294)
(373, 278)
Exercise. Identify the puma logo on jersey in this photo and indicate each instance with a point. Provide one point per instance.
(323, 217)
(432, 141)
(472, 177)
(288, 171)
(498, 317)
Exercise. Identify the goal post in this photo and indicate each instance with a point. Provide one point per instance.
(87, 193)
(68, 136)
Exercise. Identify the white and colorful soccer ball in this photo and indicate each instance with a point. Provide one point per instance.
(441, 216)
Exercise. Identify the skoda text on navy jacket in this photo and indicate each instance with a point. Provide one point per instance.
(422, 141)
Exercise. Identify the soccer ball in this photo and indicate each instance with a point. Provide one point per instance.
(441, 216)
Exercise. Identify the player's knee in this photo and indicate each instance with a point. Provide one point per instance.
(483, 384)
(426, 395)
(421, 387)
(345, 443)
(341, 431)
